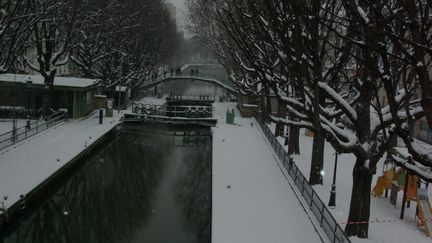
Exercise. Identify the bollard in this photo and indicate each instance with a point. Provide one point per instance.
(100, 116)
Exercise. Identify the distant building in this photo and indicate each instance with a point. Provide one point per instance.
(70, 69)
(172, 11)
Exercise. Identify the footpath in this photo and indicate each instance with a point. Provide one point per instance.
(252, 199)
(26, 165)
(385, 224)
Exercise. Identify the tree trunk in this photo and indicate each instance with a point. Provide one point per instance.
(268, 106)
(48, 96)
(264, 114)
(293, 140)
(317, 162)
(280, 127)
(360, 202)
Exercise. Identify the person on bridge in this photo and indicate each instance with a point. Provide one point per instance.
(192, 72)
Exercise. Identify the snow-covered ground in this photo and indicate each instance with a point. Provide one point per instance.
(152, 100)
(252, 199)
(27, 164)
(385, 224)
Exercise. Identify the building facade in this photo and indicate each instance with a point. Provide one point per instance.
(27, 92)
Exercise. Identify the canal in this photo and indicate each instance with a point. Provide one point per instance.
(147, 184)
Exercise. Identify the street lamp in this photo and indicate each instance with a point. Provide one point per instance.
(332, 201)
(14, 121)
(29, 82)
(120, 83)
(119, 97)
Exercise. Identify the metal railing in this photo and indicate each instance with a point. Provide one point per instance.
(189, 111)
(190, 97)
(327, 222)
(12, 137)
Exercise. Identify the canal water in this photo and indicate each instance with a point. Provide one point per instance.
(148, 184)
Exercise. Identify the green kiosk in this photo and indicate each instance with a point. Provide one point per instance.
(109, 104)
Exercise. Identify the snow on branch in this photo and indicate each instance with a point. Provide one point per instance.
(339, 101)
(289, 122)
(30, 64)
(344, 137)
(408, 163)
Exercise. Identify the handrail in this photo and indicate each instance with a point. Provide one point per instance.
(327, 222)
(162, 79)
(186, 111)
(12, 137)
(189, 97)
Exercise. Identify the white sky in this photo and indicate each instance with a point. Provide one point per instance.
(180, 11)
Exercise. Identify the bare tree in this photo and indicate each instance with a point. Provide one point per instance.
(52, 39)
(125, 42)
(307, 45)
(15, 22)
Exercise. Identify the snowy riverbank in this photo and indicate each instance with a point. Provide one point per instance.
(252, 200)
(385, 225)
(29, 163)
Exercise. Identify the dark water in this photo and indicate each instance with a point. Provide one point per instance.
(147, 185)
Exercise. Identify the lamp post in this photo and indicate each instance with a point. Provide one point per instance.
(29, 82)
(120, 83)
(119, 97)
(332, 201)
(14, 121)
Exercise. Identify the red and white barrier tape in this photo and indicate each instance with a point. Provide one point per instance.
(383, 221)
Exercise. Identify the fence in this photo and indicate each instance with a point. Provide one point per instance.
(185, 111)
(12, 137)
(329, 225)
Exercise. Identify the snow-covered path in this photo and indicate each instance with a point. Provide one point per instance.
(385, 223)
(26, 165)
(252, 200)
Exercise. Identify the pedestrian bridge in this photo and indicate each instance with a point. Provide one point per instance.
(165, 79)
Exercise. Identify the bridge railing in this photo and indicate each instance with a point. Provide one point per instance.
(191, 111)
(20, 133)
(190, 97)
(326, 220)
(163, 78)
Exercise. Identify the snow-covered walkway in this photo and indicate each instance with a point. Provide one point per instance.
(26, 165)
(385, 223)
(252, 199)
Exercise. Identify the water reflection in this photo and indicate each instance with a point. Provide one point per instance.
(130, 192)
(191, 191)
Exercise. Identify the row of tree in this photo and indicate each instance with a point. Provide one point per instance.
(355, 72)
(116, 41)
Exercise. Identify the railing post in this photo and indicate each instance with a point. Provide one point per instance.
(334, 232)
(303, 182)
(322, 214)
(312, 198)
